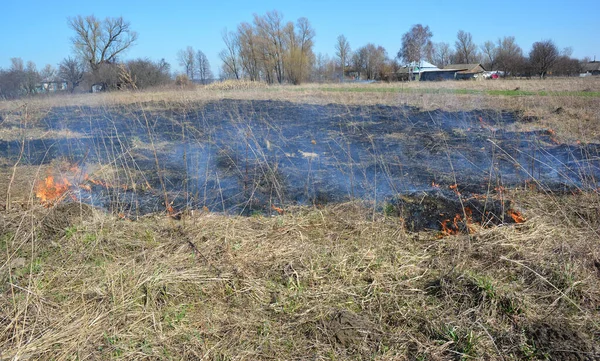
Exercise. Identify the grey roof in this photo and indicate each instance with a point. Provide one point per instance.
(591, 66)
(469, 68)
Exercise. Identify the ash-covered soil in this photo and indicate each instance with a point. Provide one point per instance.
(246, 156)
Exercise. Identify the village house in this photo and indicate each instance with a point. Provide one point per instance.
(51, 86)
(591, 68)
(466, 71)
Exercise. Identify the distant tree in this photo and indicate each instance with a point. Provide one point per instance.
(270, 29)
(203, 67)
(11, 83)
(343, 52)
(71, 71)
(16, 64)
(324, 69)
(442, 53)
(187, 59)
(100, 42)
(144, 73)
(48, 73)
(298, 53)
(543, 56)
(466, 50)
(231, 67)
(416, 44)
(510, 56)
(567, 66)
(359, 60)
(32, 78)
(372, 60)
(489, 55)
(248, 47)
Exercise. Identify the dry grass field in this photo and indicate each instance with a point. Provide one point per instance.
(308, 279)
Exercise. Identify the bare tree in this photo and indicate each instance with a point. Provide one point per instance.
(48, 73)
(359, 60)
(98, 42)
(466, 50)
(16, 64)
(298, 51)
(371, 60)
(71, 71)
(270, 29)
(442, 53)
(543, 56)
(510, 55)
(416, 44)
(32, 78)
(249, 50)
(187, 59)
(324, 69)
(342, 51)
(12, 80)
(230, 55)
(203, 67)
(144, 73)
(489, 54)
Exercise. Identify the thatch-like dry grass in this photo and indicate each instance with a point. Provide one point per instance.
(337, 282)
(326, 283)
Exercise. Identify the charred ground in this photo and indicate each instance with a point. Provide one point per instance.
(257, 156)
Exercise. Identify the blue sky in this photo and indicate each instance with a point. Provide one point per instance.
(38, 31)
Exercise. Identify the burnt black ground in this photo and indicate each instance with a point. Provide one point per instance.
(245, 156)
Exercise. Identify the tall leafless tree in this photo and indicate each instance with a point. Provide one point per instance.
(101, 41)
(543, 56)
(203, 67)
(442, 53)
(230, 55)
(489, 54)
(187, 59)
(270, 29)
(16, 64)
(249, 46)
(466, 50)
(510, 56)
(416, 44)
(343, 51)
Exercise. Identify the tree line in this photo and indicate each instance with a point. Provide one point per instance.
(272, 50)
(503, 54)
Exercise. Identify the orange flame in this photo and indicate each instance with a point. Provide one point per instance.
(277, 209)
(50, 192)
(516, 216)
(454, 188)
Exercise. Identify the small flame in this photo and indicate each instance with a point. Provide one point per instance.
(454, 188)
(277, 209)
(516, 216)
(434, 185)
(50, 192)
